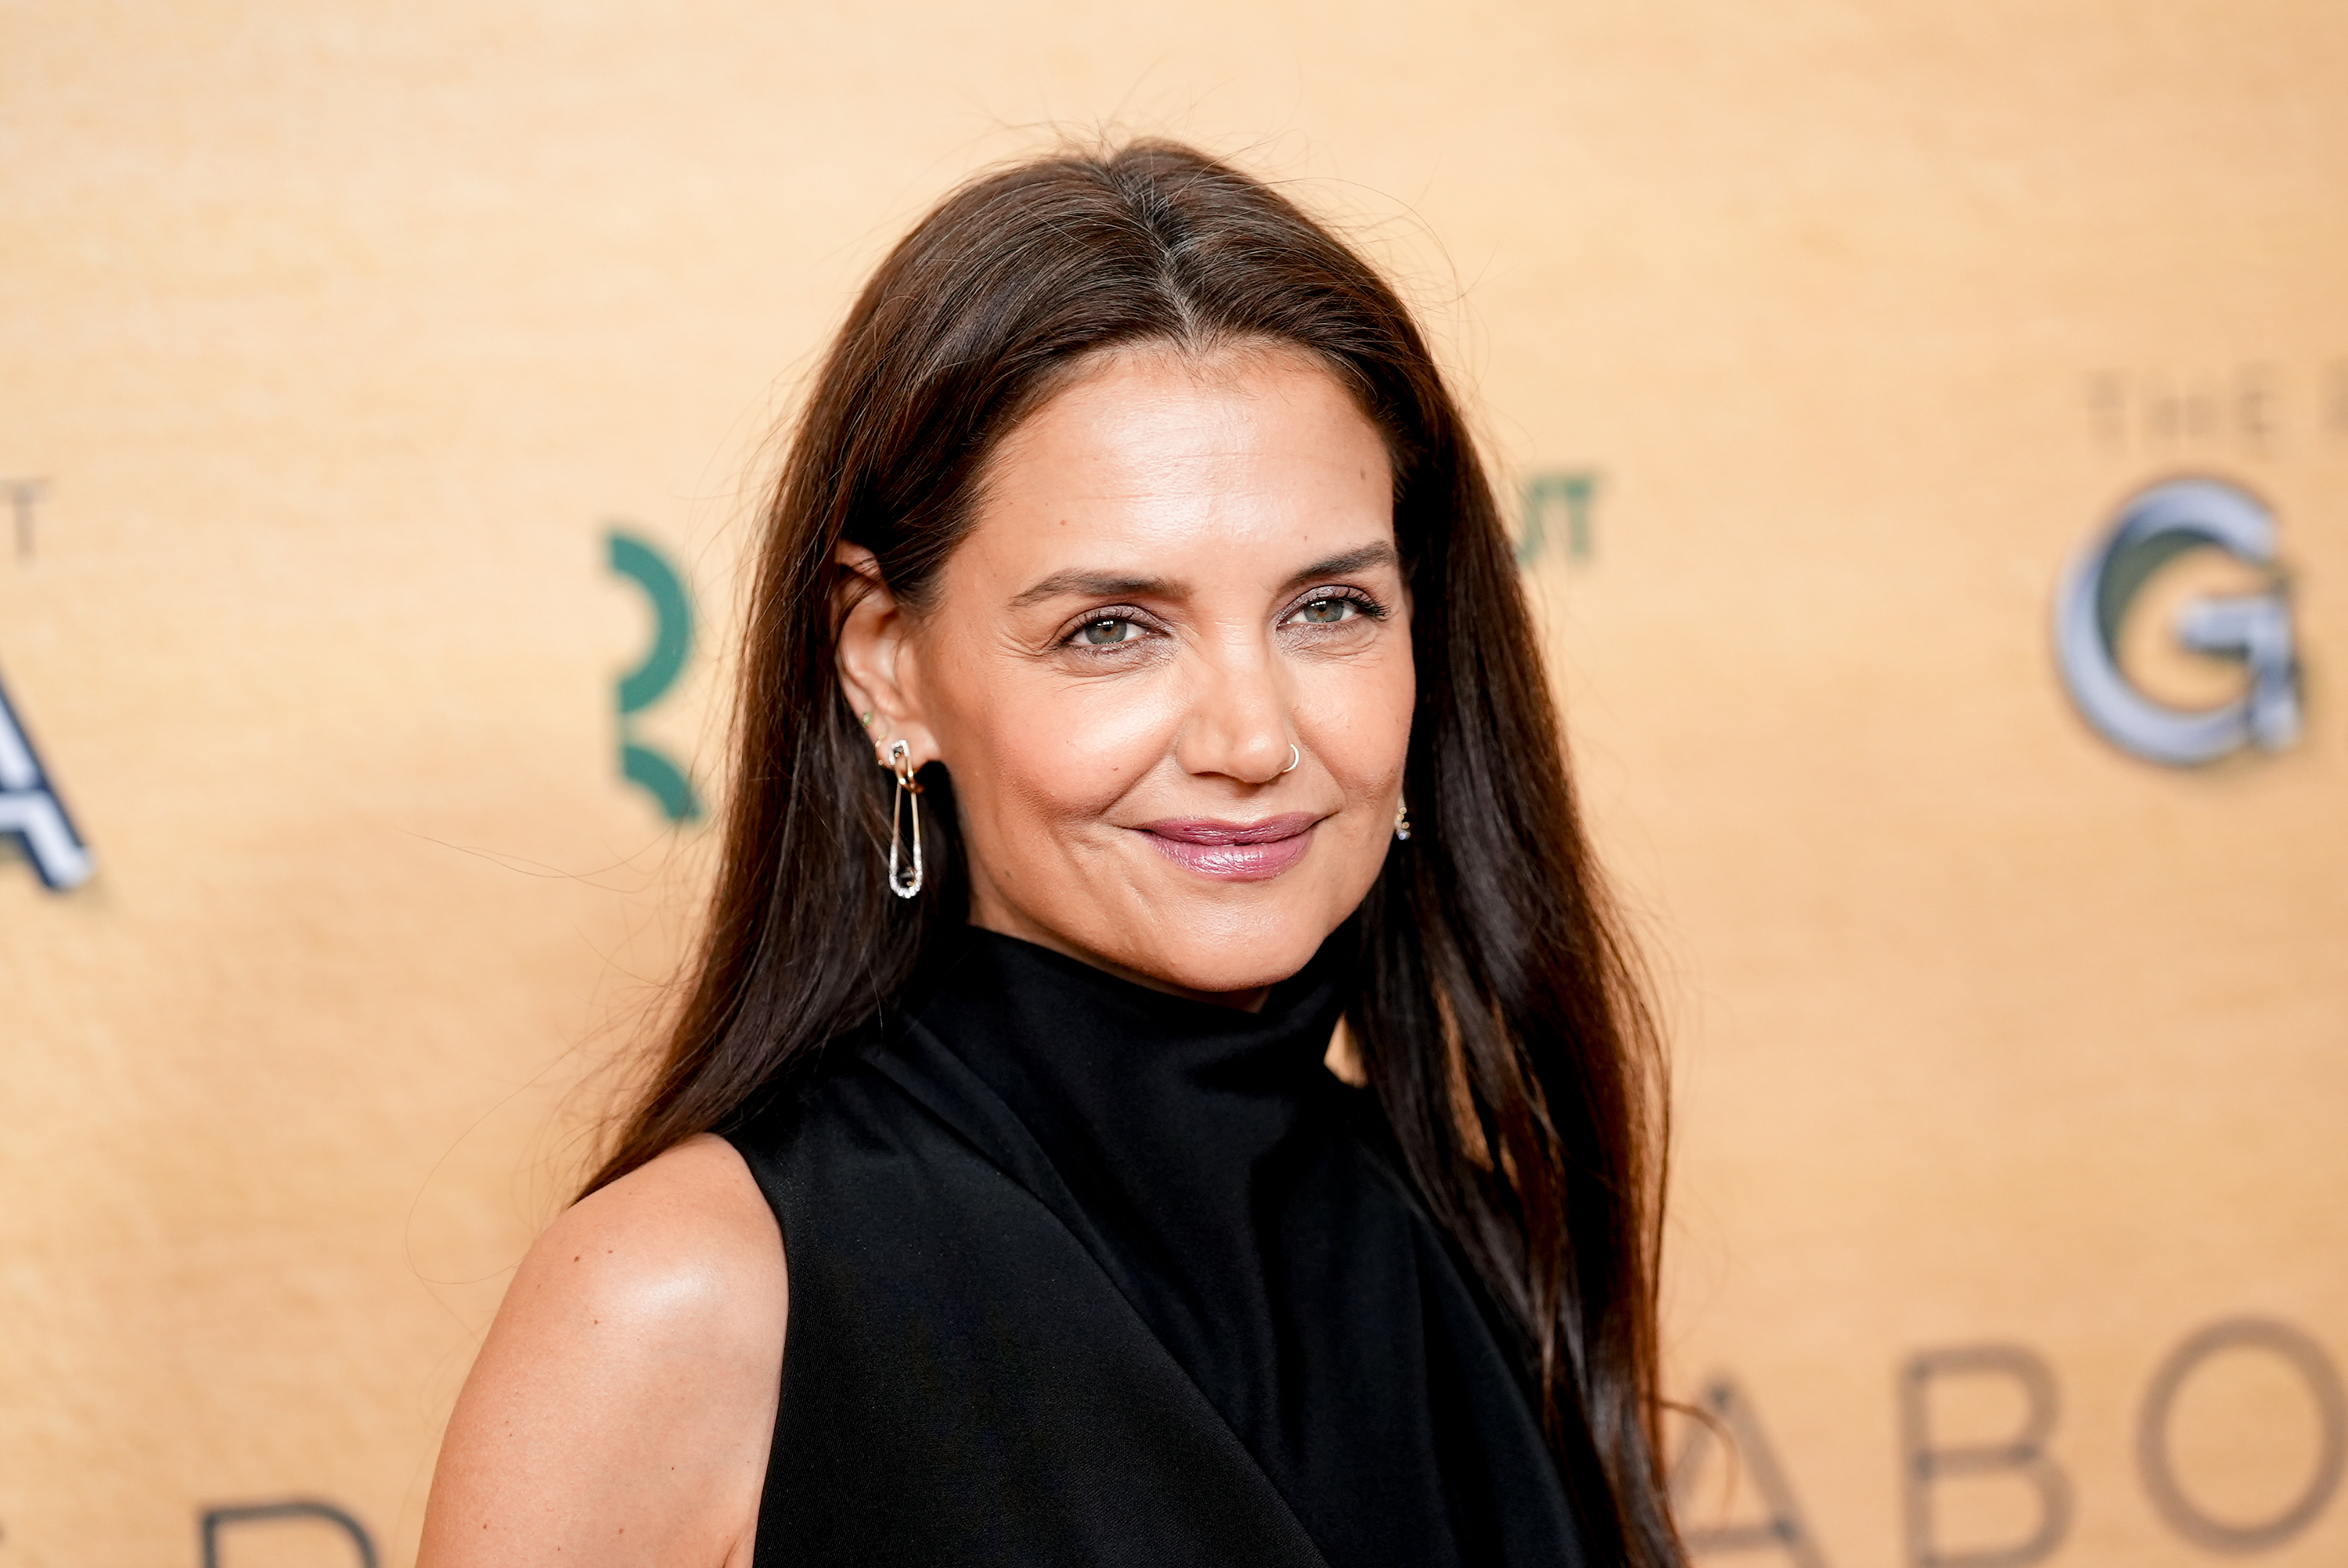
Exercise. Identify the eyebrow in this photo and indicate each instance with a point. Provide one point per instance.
(1379, 554)
(1117, 585)
(1092, 585)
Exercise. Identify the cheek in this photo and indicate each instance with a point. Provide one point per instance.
(1360, 716)
(1027, 745)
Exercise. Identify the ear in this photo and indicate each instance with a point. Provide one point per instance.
(879, 672)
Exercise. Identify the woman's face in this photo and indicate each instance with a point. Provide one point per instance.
(1168, 669)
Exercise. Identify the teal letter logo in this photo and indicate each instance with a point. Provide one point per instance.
(31, 814)
(649, 682)
(1573, 494)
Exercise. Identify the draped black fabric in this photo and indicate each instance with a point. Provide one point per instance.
(1081, 1272)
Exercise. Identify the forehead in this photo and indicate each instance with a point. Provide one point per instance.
(1154, 452)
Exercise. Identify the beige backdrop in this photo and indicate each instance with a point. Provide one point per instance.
(338, 337)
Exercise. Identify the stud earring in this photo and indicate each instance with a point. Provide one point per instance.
(900, 761)
(1402, 820)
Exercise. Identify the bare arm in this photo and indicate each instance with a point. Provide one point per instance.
(622, 1408)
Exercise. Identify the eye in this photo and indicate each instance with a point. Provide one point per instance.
(1335, 608)
(1107, 633)
(1324, 611)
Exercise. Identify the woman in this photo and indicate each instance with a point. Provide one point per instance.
(1131, 530)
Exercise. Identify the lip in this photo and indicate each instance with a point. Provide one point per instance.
(1233, 851)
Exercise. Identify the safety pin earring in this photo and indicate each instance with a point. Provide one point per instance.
(899, 763)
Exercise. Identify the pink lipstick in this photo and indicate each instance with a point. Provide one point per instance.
(1234, 851)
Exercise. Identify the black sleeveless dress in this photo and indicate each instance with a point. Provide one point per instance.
(1082, 1274)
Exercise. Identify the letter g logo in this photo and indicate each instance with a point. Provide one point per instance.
(2152, 529)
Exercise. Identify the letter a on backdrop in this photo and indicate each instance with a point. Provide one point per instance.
(1729, 1425)
(30, 812)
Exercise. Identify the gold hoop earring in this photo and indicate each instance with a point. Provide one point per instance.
(1402, 820)
(900, 761)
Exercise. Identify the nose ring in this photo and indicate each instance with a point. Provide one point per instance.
(1294, 757)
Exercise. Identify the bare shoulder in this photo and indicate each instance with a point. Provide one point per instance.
(686, 1243)
(621, 1407)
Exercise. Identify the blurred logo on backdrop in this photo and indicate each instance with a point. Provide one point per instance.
(31, 814)
(641, 764)
(1565, 499)
(2241, 618)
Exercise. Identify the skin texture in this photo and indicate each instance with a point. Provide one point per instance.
(1181, 567)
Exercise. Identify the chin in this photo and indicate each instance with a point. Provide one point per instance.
(1193, 950)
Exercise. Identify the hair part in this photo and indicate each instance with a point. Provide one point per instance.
(1500, 1018)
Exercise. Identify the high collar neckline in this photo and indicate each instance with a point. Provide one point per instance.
(1130, 1028)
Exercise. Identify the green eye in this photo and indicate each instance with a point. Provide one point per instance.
(1108, 632)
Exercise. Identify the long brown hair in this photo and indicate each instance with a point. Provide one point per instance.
(1498, 1018)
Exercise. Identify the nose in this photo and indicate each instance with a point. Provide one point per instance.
(1238, 722)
